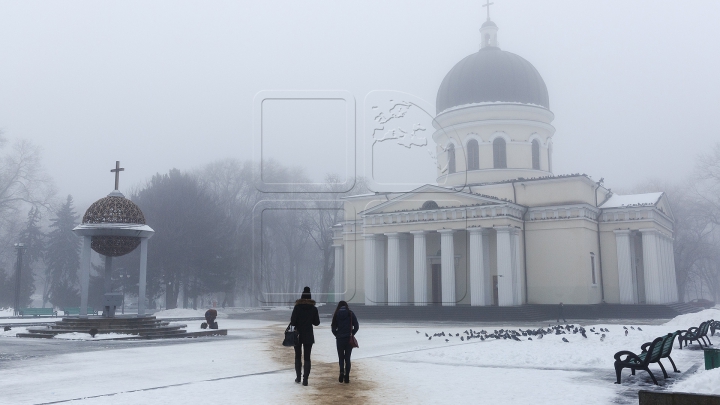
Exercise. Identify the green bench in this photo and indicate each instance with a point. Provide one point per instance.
(76, 311)
(38, 312)
(641, 361)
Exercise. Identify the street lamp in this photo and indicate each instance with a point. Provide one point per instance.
(20, 247)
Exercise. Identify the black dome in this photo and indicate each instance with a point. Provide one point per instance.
(492, 75)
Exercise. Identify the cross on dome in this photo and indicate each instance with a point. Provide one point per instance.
(488, 4)
(117, 171)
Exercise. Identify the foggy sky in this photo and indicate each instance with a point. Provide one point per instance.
(634, 85)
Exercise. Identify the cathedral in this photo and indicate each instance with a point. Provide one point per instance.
(499, 228)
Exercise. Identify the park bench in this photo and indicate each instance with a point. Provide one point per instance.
(665, 351)
(698, 335)
(639, 361)
(76, 311)
(38, 312)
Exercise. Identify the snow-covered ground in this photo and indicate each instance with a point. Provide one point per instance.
(395, 363)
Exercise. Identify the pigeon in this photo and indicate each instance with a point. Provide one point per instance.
(515, 338)
(602, 338)
(529, 338)
(447, 340)
(482, 337)
(583, 334)
(624, 328)
(7, 328)
(462, 338)
(457, 334)
(430, 338)
(426, 335)
(632, 328)
(639, 329)
(541, 336)
(565, 340)
(93, 332)
(417, 331)
(626, 332)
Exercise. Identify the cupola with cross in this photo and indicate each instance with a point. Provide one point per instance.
(113, 226)
(493, 119)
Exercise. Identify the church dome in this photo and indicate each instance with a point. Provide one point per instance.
(492, 75)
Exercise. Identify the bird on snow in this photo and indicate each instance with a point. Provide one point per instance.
(93, 332)
(639, 329)
(565, 340)
(462, 339)
(626, 332)
(417, 331)
(529, 338)
(426, 335)
(541, 336)
(447, 340)
(583, 334)
(624, 328)
(430, 338)
(515, 338)
(457, 334)
(602, 338)
(632, 328)
(482, 337)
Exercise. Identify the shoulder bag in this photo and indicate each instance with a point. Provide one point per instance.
(291, 337)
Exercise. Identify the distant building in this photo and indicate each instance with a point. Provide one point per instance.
(500, 228)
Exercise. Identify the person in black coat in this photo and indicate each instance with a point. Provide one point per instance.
(344, 324)
(303, 317)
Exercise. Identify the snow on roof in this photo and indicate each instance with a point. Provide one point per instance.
(632, 200)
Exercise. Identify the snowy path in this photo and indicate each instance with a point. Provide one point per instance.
(393, 365)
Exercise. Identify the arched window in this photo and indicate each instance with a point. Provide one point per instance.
(536, 154)
(473, 155)
(499, 154)
(451, 158)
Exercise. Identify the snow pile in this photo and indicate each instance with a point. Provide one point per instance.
(702, 382)
(185, 313)
(86, 336)
(6, 312)
(687, 321)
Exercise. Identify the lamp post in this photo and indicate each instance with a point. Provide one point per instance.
(20, 247)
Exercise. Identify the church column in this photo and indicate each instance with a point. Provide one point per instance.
(651, 265)
(673, 276)
(397, 268)
(486, 265)
(370, 270)
(624, 258)
(477, 267)
(143, 276)
(339, 272)
(447, 266)
(504, 266)
(517, 267)
(665, 268)
(420, 267)
(85, 274)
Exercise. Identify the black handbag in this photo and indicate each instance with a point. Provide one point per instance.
(291, 337)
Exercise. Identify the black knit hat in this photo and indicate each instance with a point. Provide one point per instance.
(306, 294)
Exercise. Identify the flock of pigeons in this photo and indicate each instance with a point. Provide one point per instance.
(527, 334)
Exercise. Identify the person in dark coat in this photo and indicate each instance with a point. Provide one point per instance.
(341, 327)
(303, 317)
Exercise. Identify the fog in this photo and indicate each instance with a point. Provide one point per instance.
(170, 84)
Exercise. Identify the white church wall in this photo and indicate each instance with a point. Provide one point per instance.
(556, 191)
(558, 262)
(462, 280)
(354, 264)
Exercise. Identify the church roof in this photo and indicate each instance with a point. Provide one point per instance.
(632, 200)
(492, 75)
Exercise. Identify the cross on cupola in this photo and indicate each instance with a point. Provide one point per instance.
(117, 171)
(488, 4)
(488, 31)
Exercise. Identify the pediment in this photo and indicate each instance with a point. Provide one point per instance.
(429, 197)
